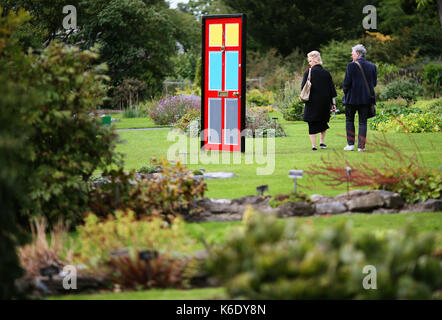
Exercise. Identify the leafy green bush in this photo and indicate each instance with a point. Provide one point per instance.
(280, 199)
(391, 104)
(166, 196)
(336, 55)
(339, 104)
(147, 169)
(273, 260)
(288, 96)
(130, 113)
(385, 69)
(258, 98)
(185, 121)
(434, 106)
(409, 90)
(410, 123)
(99, 241)
(13, 147)
(258, 120)
(294, 111)
(415, 186)
(433, 77)
(68, 145)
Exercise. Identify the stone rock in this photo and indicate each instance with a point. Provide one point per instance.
(431, 205)
(332, 207)
(252, 200)
(291, 209)
(351, 194)
(228, 210)
(219, 175)
(391, 200)
(365, 202)
(318, 198)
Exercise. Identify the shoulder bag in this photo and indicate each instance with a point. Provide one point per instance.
(305, 92)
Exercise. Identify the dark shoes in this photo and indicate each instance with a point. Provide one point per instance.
(322, 146)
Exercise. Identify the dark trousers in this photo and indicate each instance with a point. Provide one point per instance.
(350, 111)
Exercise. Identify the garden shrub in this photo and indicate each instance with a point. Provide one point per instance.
(185, 121)
(389, 104)
(99, 241)
(294, 110)
(260, 121)
(13, 148)
(147, 169)
(410, 123)
(166, 196)
(388, 112)
(384, 70)
(270, 67)
(433, 78)
(272, 260)
(264, 109)
(417, 186)
(340, 107)
(258, 98)
(130, 113)
(287, 96)
(336, 55)
(45, 250)
(169, 110)
(280, 199)
(409, 90)
(66, 144)
(434, 105)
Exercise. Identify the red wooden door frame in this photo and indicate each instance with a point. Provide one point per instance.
(206, 94)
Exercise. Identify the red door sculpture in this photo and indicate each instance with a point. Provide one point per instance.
(223, 82)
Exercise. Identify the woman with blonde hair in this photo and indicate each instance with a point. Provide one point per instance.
(322, 96)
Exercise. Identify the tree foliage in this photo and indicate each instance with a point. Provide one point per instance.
(13, 135)
(286, 25)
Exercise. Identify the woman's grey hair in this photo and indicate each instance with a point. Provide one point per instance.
(360, 49)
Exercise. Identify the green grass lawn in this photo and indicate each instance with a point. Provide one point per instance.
(134, 123)
(292, 152)
(153, 294)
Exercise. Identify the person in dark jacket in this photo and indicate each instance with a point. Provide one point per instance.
(322, 96)
(356, 96)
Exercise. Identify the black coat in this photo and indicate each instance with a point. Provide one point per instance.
(355, 89)
(322, 92)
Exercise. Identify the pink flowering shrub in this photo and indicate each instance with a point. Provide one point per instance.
(169, 110)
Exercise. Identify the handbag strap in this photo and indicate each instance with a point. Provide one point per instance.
(309, 74)
(365, 79)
